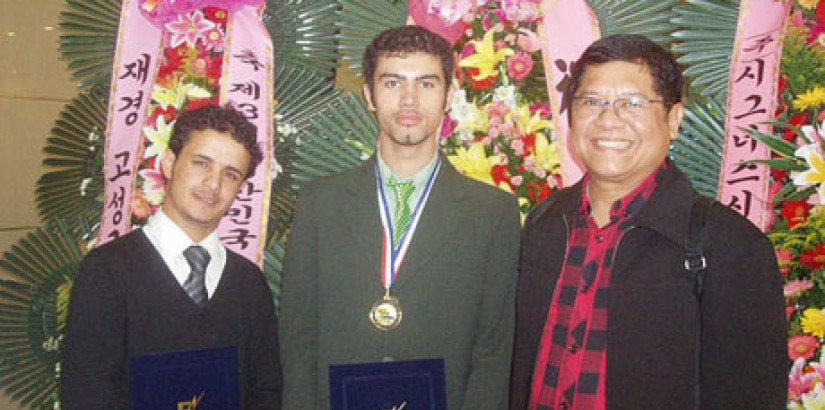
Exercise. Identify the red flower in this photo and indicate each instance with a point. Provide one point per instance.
(538, 190)
(482, 84)
(796, 212)
(803, 346)
(215, 14)
(820, 11)
(200, 102)
(500, 174)
(814, 258)
(529, 143)
(797, 120)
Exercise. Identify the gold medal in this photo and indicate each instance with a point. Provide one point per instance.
(386, 313)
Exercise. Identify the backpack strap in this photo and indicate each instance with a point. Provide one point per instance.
(695, 260)
(696, 263)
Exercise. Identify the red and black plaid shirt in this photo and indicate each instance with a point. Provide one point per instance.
(572, 360)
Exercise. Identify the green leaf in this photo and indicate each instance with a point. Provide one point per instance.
(775, 143)
(33, 306)
(303, 34)
(650, 18)
(707, 29)
(361, 20)
(87, 40)
(73, 186)
(698, 149)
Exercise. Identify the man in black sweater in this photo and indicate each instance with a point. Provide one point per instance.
(172, 286)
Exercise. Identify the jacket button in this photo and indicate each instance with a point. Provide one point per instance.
(572, 348)
(599, 238)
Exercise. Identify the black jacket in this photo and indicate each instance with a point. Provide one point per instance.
(652, 311)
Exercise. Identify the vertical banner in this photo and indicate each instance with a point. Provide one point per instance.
(569, 26)
(174, 56)
(751, 103)
(248, 86)
(133, 75)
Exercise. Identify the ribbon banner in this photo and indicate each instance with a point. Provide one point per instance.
(569, 26)
(751, 103)
(173, 56)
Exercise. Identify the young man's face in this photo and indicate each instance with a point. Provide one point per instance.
(409, 97)
(621, 148)
(202, 181)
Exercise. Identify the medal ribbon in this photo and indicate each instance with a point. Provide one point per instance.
(391, 257)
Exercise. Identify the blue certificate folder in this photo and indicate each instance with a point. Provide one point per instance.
(407, 385)
(190, 380)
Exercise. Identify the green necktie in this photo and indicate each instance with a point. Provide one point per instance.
(401, 217)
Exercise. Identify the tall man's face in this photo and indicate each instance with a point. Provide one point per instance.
(409, 97)
(621, 147)
(203, 180)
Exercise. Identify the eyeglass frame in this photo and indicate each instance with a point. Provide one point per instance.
(604, 103)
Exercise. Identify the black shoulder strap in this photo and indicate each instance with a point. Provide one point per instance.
(695, 260)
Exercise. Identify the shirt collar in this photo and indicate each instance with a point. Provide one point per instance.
(172, 240)
(419, 178)
(629, 205)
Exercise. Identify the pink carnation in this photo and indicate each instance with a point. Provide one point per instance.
(802, 346)
(519, 66)
(795, 287)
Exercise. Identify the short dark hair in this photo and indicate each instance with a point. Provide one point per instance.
(222, 119)
(403, 40)
(668, 81)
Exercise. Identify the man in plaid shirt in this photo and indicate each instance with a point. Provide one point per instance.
(606, 313)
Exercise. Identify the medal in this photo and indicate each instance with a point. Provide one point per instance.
(386, 313)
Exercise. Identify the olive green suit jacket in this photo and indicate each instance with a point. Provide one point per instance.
(456, 287)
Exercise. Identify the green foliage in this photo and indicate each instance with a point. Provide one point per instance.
(360, 20)
(88, 38)
(303, 34)
(802, 65)
(651, 18)
(698, 149)
(73, 186)
(33, 307)
(704, 42)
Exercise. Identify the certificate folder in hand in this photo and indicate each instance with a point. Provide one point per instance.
(188, 380)
(400, 385)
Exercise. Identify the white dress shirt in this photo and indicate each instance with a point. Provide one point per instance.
(170, 241)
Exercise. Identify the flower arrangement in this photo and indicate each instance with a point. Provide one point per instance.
(188, 77)
(798, 185)
(498, 129)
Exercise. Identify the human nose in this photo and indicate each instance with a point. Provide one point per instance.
(409, 95)
(212, 179)
(611, 107)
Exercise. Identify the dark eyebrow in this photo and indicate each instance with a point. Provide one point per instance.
(434, 77)
(212, 160)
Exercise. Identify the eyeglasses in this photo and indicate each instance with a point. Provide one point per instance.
(630, 107)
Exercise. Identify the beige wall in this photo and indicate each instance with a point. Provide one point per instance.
(34, 86)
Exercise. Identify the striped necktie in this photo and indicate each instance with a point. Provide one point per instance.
(401, 217)
(195, 287)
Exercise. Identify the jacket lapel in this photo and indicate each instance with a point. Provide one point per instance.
(361, 215)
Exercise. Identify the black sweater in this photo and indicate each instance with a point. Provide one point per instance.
(126, 302)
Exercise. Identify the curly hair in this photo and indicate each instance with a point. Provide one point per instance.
(665, 71)
(403, 40)
(223, 119)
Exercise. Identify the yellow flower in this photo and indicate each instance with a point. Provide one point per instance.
(485, 58)
(815, 175)
(529, 124)
(813, 322)
(810, 99)
(474, 162)
(808, 4)
(546, 154)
